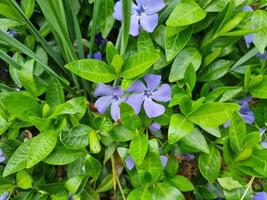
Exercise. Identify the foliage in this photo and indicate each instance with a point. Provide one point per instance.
(145, 99)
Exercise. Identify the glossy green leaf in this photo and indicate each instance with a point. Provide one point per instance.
(182, 61)
(76, 137)
(179, 128)
(260, 90)
(210, 164)
(213, 114)
(166, 191)
(181, 183)
(23, 180)
(138, 148)
(93, 166)
(92, 70)
(128, 117)
(186, 12)
(138, 64)
(140, 193)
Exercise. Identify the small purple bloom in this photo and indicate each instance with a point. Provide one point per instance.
(245, 111)
(99, 40)
(12, 33)
(154, 126)
(97, 55)
(144, 14)
(189, 156)
(2, 156)
(109, 96)
(147, 94)
(164, 160)
(129, 163)
(4, 196)
(260, 196)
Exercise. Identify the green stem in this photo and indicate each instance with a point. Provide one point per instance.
(248, 187)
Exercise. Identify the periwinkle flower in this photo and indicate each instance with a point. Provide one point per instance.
(4, 196)
(144, 14)
(148, 94)
(108, 95)
(260, 196)
(129, 163)
(97, 55)
(2, 156)
(164, 161)
(154, 126)
(262, 132)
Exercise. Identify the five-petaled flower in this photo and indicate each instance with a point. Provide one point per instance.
(4, 196)
(109, 96)
(147, 94)
(144, 14)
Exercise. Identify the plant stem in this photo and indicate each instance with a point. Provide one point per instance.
(248, 187)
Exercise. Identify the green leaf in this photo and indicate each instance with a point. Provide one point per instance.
(76, 106)
(182, 61)
(40, 147)
(175, 44)
(95, 145)
(55, 93)
(93, 167)
(128, 117)
(259, 20)
(144, 42)
(237, 132)
(210, 164)
(140, 193)
(14, 72)
(229, 183)
(31, 152)
(138, 64)
(181, 183)
(111, 51)
(166, 191)
(185, 13)
(179, 127)
(138, 148)
(213, 114)
(63, 156)
(21, 106)
(106, 184)
(73, 184)
(92, 70)
(105, 17)
(195, 141)
(121, 134)
(27, 6)
(126, 23)
(76, 137)
(260, 90)
(216, 70)
(23, 180)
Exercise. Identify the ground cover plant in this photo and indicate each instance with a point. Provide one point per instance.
(133, 99)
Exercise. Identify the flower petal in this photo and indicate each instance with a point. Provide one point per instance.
(249, 39)
(137, 86)
(152, 81)
(118, 11)
(135, 27)
(97, 55)
(260, 196)
(163, 93)
(153, 6)
(102, 103)
(264, 145)
(247, 9)
(129, 163)
(154, 126)
(248, 117)
(117, 91)
(103, 90)
(149, 22)
(164, 160)
(115, 111)
(262, 56)
(153, 109)
(136, 100)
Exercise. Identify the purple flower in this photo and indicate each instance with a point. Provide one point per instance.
(154, 126)
(147, 93)
(164, 160)
(262, 132)
(4, 196)
(260, 196)
(109, 96)
(144, 15)
(2, 156)
(12, 33)
(129, 163)
(97, 55)
(245, 111)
